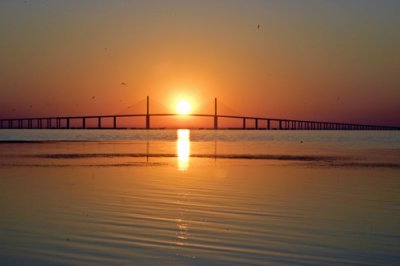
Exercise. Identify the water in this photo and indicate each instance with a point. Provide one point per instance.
(73, 197)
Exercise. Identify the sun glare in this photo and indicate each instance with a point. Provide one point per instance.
(183, 149)
(183, 107)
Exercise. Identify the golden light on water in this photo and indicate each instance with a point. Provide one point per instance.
(183, 149)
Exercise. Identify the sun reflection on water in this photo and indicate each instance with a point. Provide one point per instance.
(183, 149)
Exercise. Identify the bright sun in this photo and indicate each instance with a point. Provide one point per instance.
(183, 107)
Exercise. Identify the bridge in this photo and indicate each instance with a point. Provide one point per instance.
(64, 122)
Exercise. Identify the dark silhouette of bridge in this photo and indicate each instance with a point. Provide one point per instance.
(64, 122)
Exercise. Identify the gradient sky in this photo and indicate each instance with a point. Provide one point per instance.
(324, 60)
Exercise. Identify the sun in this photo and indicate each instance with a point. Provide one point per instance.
(183, 107)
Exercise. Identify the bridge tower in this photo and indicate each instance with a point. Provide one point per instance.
(215, 114)
(148, 113)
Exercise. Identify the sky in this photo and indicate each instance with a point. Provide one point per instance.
(312, 60)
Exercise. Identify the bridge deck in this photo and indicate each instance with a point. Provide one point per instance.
(282, 124)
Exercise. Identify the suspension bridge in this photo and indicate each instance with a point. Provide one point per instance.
(246, 122)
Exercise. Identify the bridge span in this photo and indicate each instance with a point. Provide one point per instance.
(64, 122)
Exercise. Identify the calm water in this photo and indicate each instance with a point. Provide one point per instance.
(86, 197)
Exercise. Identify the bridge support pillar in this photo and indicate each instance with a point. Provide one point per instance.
(244, 123)
(115, 122)
(268, 124)
(256, 123)
(68, 123)
(148, 113)
(83, 122)
(99, 122)
(215, 114)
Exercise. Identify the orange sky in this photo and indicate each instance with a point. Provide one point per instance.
(315, 60)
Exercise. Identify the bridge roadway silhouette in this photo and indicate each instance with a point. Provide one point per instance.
(271, 123)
